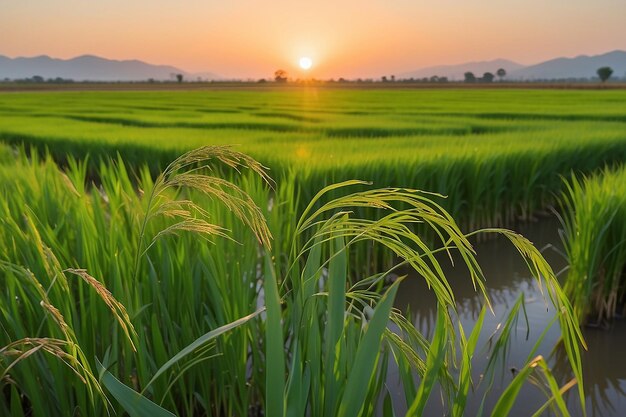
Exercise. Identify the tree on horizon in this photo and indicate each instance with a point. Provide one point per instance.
(469, 77)
(604, 73)
(501, 73)
(280, 76)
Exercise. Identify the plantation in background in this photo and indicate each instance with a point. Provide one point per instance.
(496, 154)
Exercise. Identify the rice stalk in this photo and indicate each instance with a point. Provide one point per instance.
(185, 172)
(117, 309)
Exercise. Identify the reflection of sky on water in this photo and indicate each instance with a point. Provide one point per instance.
(508, 278)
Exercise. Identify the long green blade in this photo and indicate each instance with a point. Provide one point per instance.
(366, 356)
(465, 374)
(434, 362)
(206, 338)
(337, 277)
(507, 399)
(274, 347)
(135, 404)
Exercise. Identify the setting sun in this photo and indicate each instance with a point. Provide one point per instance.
(305, 63)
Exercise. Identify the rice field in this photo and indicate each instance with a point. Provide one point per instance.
(183, 320)
(203, 287)
(496, 154)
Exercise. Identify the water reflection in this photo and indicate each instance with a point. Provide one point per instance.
(604, 371)
(508, 277)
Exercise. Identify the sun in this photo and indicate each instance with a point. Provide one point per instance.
(305, 63)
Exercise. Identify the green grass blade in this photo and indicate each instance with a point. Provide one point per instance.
(202, 340)
(16, 403)
(337, 277)
(506, 401)
(366, 356)
(135, 404)
(274, 346)
(465, 374)
(388, 406)
(434, 362)
(557, 396)
(298, 386)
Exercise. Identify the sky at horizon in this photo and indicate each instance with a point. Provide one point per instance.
(351, 38)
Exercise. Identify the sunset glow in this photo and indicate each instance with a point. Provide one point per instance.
(305, 63)
(347, 39)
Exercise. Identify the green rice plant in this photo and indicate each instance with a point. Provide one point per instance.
(61, 342)
(335, 333)
(62, 214)
(594, 219)
(317, 339)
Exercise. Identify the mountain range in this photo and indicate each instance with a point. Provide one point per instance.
(582, 66)
(91, 68)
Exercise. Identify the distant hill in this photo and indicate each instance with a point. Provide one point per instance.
(90, 68)
(579, 67)
(456, 72)
(93, 68)
(560, 68)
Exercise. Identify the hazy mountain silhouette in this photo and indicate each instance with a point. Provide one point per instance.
(560, 68)
(582, 66)
(93, 68)
(90, 68)
(455, 72)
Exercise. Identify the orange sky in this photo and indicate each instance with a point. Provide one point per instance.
(369, 38)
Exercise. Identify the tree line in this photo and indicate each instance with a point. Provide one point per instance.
(281, 76)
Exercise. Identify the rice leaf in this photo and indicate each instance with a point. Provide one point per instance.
(434, 362)
(135, 404)
(366, 356)
(201, 341)
(274, 346)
